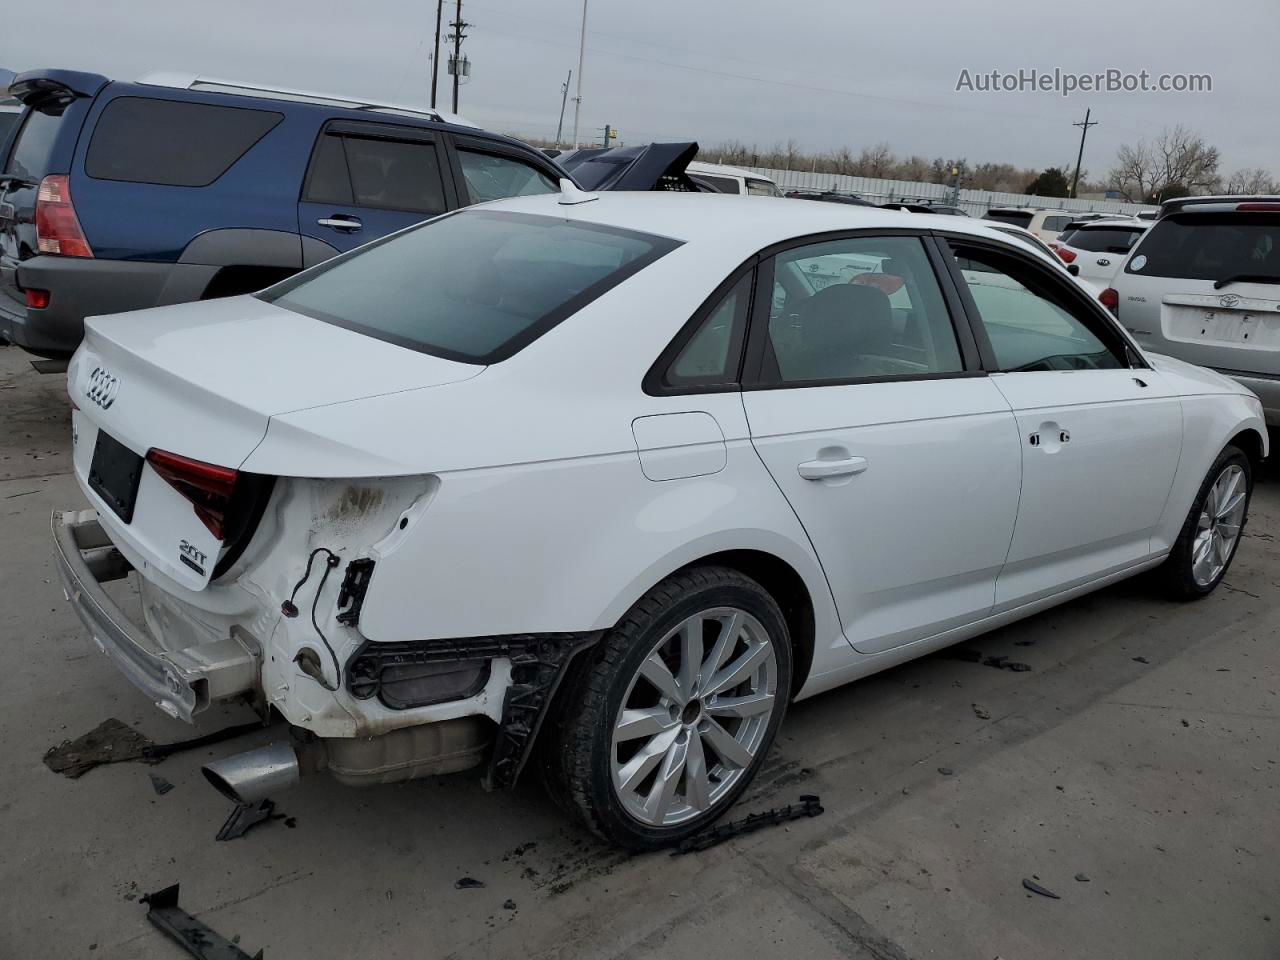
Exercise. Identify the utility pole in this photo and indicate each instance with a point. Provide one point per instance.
(564, 98)
(582, 47)
(1084, 126)
(435, 58)
(458, 36)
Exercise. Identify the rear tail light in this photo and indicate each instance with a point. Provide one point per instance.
(1067, 255)
(1256, 207)
(1110, 299)
(37, 299)
(207, 486)
(57, 226)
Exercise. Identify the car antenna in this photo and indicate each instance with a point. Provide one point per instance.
(570, 194)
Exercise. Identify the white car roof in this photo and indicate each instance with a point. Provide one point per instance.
(736, 221)
(697, 166)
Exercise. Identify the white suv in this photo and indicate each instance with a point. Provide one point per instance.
(1097, 249)
(1204, 285)
(1045, 224)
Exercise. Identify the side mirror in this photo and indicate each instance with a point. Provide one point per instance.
(1073, 269)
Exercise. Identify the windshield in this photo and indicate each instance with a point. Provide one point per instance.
(1210, 247)
(1106, 239)
(476, 286)
(1019, 218)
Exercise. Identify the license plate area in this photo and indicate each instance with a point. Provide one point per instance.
(114, 474)
(1253, 329)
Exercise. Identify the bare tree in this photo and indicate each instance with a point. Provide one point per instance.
(1253, 180)
(1177, 158)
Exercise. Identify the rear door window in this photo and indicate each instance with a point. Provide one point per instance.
(476, 286)
(170, 142)
(491, 176)
(30, 157)
(1210, 247)
(395, 174)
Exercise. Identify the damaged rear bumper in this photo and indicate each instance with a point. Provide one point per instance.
(179, 682)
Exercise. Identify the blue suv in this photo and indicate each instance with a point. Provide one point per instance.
(118, 196)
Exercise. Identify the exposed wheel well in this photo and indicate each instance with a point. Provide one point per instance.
(1250, 441)
(788, 588)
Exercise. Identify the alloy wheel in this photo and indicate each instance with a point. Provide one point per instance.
(694, 716)
(1218, 529)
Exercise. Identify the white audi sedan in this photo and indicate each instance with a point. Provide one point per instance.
(612, 480)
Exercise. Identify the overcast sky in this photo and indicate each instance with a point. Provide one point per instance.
(827, 73)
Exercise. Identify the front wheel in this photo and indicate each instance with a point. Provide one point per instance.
(674, 715)
(1211, 532)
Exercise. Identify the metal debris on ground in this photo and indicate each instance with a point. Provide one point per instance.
(468, 883)
(189, 933)
(160, 785)
(244, 816)
(1036, 888)
(111, 741)
(809, 806)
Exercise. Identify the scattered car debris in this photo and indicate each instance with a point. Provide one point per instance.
(194, 937)
(1186, 723)
(160, 785)
(468, 883)
(809, 806)
(111, 741)
(156, 752)
(244, 816)
(1140, 660)
(509, 905)
(1036, 888)
(1082, 878)
(946, 771)
(981, 712)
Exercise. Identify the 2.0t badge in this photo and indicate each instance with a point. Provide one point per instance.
(192, 556)
(103, 387)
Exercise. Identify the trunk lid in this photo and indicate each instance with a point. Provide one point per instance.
(202, 381)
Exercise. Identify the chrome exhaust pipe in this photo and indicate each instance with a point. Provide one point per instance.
(255, 775)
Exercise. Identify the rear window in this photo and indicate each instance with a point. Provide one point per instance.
(1106, 239)
(1019, 218)
(30, 156)
(140, 140)
(722, 184)
(1210, 247)
(475, 286)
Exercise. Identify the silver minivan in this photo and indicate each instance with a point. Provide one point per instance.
(1203, 285)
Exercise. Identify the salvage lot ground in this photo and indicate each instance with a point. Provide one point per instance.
(1159, 781)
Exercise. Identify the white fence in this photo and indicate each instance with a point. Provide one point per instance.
(974, 202)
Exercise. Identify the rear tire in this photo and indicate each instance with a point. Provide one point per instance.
(673, 714)
(1211, 533)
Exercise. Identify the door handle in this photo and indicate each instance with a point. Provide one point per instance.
(340, 223)
(826, 469)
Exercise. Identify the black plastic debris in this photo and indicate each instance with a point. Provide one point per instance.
(160, 785)
(1140, 660)
(1082, 878)
(809, 806)
(244, 816)
(467, 883)
(946, 771)
(509, 905)
(1036, 888)
(156, 752)
(111, 741)
(189, 933)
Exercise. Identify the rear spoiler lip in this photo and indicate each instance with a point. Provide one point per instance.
(40, 88)
(1211, 204)
(645, 170)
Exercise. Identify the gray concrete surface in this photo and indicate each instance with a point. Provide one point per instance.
(1158, 781)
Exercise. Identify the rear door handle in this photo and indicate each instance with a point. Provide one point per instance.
(340, 222)
(825, 469)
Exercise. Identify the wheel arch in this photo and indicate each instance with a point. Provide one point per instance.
(1253, 444)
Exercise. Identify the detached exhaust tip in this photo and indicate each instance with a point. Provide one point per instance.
(254, 775)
